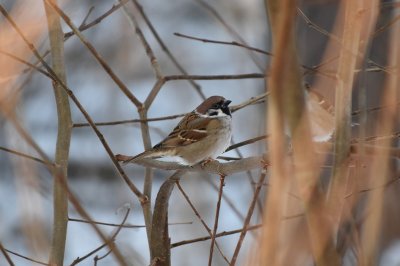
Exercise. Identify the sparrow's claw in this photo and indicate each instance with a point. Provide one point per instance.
(211, 160)
(207, 161)
(265, 163)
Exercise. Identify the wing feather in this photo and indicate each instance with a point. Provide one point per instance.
(190, 129)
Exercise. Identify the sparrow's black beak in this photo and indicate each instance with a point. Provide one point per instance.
(226, 103)
(225, 107)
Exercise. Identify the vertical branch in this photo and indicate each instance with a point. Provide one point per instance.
(148, 179)
(380, 166)
(279, 176)
(354, 21)
(60, 201)
(160, 246)
(287, 102)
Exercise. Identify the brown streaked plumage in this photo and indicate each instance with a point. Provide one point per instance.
(202, 134)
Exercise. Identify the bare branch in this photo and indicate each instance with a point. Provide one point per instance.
(215, 77)
(248, 217)
(112, 239)
(160, 241)
(101, 61)
(214, 232)
(25, 257)
(205, 238)
(234, 43)
(213, 167)
(6, 256)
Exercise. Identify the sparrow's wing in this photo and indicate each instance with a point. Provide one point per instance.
(191, 128)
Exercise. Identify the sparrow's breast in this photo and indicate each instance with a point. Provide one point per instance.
(220, 136)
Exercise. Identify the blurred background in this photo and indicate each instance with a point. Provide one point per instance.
(26, 187)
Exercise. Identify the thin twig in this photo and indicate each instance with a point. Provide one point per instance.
(230, 30)
(246, 142)
(77, 103)
(115, 225)
(25, 257)
(96, 21)
(221, 189)
(234, 108)
(200, 218)
(32, 66)
(205, 238)
(130, 121)
(248, 217)
(196, 86)
(94, 52)
(339, 41)
(387, 184)
(6, 256)
(386, 26)
(83, 23)
(112, 239)
(226, 199)
(234, 43)
(144, 42)
(24, 155)
(215, 77)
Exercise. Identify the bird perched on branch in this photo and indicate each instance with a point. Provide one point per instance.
(200, 136)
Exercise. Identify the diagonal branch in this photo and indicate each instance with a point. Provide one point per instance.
(101, 61)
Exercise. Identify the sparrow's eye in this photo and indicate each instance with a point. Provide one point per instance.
(215, 106)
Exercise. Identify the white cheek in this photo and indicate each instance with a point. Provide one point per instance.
(220, 113)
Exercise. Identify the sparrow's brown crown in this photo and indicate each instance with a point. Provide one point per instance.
(214, 103)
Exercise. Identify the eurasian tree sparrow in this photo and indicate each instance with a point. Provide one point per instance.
(203, 134)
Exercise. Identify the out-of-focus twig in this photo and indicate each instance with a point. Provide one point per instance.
(347, 63)
(23, 155)
(77, 103)
(372, 227)
(32, 66)
(339, 41)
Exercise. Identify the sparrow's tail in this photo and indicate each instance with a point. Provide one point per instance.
(144, 155)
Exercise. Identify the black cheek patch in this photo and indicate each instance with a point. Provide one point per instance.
(226, 110)
(213, 113)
